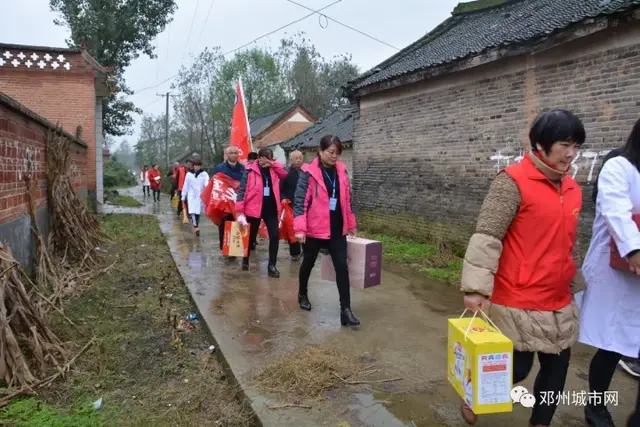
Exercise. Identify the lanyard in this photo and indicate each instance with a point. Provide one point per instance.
(266, 179)
(333, 183)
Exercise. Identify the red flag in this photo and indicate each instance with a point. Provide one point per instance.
(219, 197)
(240, 132)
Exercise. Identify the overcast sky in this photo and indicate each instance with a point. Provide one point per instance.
(232, 23)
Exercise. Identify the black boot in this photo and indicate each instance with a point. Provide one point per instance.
(598, 416)
(347, 318)
(273, 271)
(303, 300)
(245, 264)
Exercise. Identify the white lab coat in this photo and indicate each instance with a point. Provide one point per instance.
(193, 187)
(144, 178)
(610, 312)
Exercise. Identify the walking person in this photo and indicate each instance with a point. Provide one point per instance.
(611, 301)
(174, 178)
(520, 264)
(182, 175)
(234, 170)
(251, 158)
(259, 199)
(144, 179)
(155, 179)
(194, 183)
(631, 365)
(287, 193)
(322, 219)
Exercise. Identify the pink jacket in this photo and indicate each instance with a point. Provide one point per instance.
(249, 200)
(311, 203)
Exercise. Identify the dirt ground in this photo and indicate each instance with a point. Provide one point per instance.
(142, 373)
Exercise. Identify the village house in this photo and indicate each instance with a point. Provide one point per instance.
(63, 86)
(39, 88)
(337, 123)
(269, 130)
(436, 121)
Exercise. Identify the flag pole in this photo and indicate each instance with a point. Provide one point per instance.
(246, 113)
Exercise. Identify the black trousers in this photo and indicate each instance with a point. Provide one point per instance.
(195, 220)
(601, 370)
(145, 190)
(549, 382)
(223, 221)
(337, 248)
(156, 195)
(271, 221)
(180, 202)
(174, 188)
(634, 420)
(295, 249)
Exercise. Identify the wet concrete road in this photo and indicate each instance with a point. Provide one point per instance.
(404, 321)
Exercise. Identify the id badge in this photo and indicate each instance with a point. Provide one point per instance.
(333, 202)
(267, 191)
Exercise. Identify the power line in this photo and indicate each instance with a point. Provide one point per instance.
(205, 22)
(244, 45)
(193, 20)
(344, 25)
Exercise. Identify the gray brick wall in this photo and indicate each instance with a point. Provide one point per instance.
(424, 158)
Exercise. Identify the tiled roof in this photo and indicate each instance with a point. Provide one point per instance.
(338, 123)
(480, 25)
(260, 123)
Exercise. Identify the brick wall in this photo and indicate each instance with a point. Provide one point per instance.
(426, 154)
(67, 96)
(22, 149)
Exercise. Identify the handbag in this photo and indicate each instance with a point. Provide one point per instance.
(616, 261)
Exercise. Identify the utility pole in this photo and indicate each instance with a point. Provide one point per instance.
(166, 129)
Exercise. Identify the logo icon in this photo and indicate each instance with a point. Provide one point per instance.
(522, 396)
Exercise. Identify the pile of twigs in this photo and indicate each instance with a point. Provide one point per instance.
(75, 231)
(28, 345)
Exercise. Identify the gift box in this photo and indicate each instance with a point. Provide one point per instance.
(364, 258)
(616, 261)
(480, 364)
(235, 240)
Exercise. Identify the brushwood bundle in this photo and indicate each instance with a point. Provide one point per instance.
(75, 231)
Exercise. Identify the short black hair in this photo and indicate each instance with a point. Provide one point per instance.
(189, 161)
(632, 147)
(554, 126)
(253, 156)
(328, 140)
(197, 162)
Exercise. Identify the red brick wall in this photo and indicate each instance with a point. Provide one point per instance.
(425, 154)
(22, 149)
(67, 96)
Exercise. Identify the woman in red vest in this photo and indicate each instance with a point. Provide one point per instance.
(155, 179)
(520, 266)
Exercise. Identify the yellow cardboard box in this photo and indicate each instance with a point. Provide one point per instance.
(480, 364)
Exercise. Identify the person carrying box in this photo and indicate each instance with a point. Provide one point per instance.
(520, 267)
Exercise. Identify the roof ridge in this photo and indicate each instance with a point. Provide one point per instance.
(465, 8)
(279, 109)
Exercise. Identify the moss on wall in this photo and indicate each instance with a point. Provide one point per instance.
(451, 236)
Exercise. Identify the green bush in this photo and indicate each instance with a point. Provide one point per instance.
(116, 174)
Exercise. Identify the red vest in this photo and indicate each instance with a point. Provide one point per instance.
(536, 267)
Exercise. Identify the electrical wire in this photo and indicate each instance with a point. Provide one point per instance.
(205, 22)
(193, 20)
(344, 25)
(243, 46)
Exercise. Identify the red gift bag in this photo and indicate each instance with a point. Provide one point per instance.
(219, 197)
(616, 261)
(285, 225)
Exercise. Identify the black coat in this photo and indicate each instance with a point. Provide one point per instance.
(289, 184)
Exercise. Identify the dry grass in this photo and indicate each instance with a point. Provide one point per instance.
(147, 373)
(306, 373)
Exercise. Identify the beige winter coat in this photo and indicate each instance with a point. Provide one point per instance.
(544, 331)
